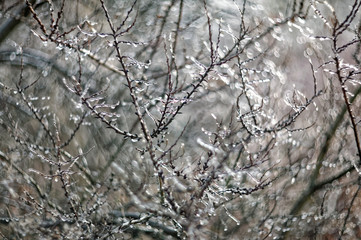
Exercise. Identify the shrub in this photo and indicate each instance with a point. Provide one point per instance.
(180, 119)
